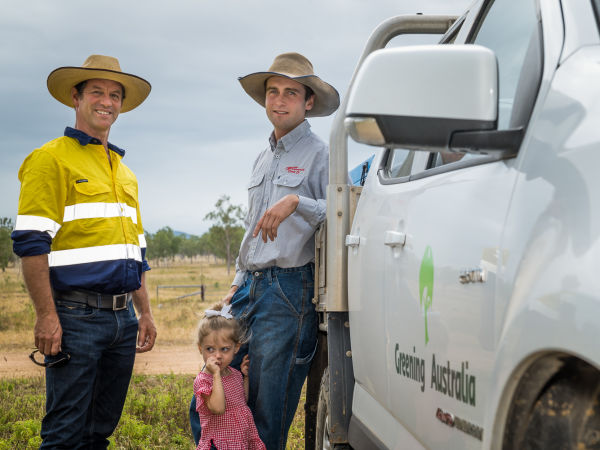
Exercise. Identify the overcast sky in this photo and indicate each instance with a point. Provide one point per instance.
(196, 136)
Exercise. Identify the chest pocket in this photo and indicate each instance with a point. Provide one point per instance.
(90, 191)
(289, 180)
(130, 194)
(255, 181)
(255, 194)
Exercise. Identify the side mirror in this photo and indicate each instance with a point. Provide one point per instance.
(418, 97)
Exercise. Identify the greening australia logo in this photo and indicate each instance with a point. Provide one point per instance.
(426, 286)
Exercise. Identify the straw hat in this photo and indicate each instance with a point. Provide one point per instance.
(61, 80)
(298, 68)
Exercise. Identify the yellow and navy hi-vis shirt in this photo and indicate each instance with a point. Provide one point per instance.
(83, 211)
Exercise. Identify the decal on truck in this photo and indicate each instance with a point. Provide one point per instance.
(426, 285)
(453, 382)
(410, 366)
(461, 424)
(445, 378)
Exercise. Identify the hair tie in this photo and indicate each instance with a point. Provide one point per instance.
(223, 313)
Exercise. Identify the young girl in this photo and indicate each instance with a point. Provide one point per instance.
(221, 391)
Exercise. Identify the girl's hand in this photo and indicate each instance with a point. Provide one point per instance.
(211, 365)
(245, 365)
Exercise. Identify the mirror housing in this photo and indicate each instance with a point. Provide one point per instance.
(417, 97)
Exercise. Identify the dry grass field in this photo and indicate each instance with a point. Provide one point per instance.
(174, 360)
(175, 318)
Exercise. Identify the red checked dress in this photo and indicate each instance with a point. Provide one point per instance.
(234, 430)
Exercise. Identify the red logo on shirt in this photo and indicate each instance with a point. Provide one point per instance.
(294, 169)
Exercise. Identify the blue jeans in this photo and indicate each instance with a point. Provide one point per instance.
(85, 397)
(276, 306)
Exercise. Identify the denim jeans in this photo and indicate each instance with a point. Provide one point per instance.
(85, 397)
(276, 306)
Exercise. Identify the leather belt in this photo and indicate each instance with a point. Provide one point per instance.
(95, 299)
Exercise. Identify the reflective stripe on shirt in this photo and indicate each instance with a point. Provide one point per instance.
(142, 240)
(94, 254)
(98, 211)
(37, 223)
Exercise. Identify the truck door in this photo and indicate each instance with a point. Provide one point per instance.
(439, 296)
(367, 288)
(438, 233)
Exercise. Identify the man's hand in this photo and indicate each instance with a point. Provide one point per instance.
(270, 220)
(146, 328)
(146, 333)
(227, 299)
(47, 331)
(48, 334)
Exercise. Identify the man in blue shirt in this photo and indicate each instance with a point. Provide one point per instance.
(273, 287)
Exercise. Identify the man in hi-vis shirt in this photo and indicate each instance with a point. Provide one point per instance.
(80, 238)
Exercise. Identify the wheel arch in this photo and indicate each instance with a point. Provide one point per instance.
(534, 376)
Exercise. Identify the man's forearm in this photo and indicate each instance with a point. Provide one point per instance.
(47, 331)
(36, 273)
(141, 299)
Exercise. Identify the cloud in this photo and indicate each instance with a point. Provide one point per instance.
(198, 133)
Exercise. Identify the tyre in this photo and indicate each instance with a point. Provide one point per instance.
(322, 428)
(566, 413)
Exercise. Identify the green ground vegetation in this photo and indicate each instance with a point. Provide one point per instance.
(155, 415)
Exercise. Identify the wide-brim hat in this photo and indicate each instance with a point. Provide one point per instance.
(61, 80)
(298, 68)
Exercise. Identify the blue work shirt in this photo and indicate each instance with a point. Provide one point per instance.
(296, 164)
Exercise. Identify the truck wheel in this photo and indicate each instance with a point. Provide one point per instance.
(567, 412)
(322, 429)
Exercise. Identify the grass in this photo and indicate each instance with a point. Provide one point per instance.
(155, 415)
(175, 318)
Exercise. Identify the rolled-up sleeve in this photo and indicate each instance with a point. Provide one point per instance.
(41, 204)
(313, 211)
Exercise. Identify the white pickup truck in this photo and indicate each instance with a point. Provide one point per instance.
(460, 302)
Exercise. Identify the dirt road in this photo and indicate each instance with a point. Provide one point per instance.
(177, 359)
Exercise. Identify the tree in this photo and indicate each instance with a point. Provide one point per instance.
(163, 244)
(227, 221)
(6, 252)
(192, 246)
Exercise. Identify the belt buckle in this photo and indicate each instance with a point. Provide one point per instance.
(117, 299)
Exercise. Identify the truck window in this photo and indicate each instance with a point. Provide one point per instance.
(513, 31)
(508, 28)
(399, 163)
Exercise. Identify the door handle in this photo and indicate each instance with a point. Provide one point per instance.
(395, 238)
(352, 240)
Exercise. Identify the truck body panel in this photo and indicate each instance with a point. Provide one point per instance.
(470, 262)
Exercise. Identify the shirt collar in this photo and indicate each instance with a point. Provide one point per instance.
(288, 141)
(85, 139)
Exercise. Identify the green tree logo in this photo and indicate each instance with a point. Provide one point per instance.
(426, 285)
